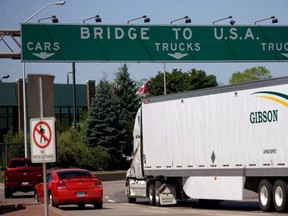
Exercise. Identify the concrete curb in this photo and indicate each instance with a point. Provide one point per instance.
(9, 207)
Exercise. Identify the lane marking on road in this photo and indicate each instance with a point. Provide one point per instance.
(109, 200)
(150, 211)
(129, 204)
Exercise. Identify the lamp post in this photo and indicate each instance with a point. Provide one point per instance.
(24, 77)
(74, 91)
(74, 94)
(53, 18)
(232, 22)
(4, 77)
(187, 19)
(37, 12)
(97, 19)
(273, 18)
(146, 19)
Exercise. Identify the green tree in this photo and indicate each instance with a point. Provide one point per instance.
(178, 81)
(104, 124)
(249, 75)
(198, 79)
(14, 144)
(71, 149)
(128, 101)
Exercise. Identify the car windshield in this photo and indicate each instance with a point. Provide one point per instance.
(73, 174)
(23, 163)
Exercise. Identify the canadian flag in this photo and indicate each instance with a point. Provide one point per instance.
(142, 91)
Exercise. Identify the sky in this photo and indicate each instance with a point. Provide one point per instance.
(160, 12)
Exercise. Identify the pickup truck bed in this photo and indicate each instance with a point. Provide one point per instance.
(21, 175)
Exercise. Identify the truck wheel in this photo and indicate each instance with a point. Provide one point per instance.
(280, 193)
(265, 191)
(158, 184)
(8, 193)
(151, 194)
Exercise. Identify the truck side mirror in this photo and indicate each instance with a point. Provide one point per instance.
(127, 158)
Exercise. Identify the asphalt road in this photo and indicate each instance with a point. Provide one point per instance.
(115, 203)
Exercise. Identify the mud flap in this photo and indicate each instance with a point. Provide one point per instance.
(167, 193)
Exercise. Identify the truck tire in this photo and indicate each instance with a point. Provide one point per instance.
(151, 194)
(8, 193)
(158, 184)
(265, 197)
(280, 193)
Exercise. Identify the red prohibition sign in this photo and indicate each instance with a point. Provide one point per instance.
(42, 135)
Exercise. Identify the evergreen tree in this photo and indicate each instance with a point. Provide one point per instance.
(128, 101)
(125, 91)
(104, 126)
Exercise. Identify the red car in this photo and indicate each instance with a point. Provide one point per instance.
(71, 186)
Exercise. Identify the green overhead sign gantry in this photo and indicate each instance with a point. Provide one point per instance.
(153, 43)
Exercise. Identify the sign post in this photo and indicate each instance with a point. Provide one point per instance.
(43, 142)
(154, 43)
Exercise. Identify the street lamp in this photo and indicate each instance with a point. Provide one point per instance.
(232, 22)
(52, 3)
(24, 77)
(187, 19)
(273, 18)
(74, 93)
(53, 18)
(97, 19)
(146, 19)
(4, 77)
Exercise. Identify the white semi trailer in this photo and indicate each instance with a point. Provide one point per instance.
(211, 144)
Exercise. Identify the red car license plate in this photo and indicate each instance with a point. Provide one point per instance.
(25, 183)
(80, 194)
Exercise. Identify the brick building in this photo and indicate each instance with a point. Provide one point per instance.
(11, 104)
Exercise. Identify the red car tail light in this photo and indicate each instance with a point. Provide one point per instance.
(60, 185)
(97, 183)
